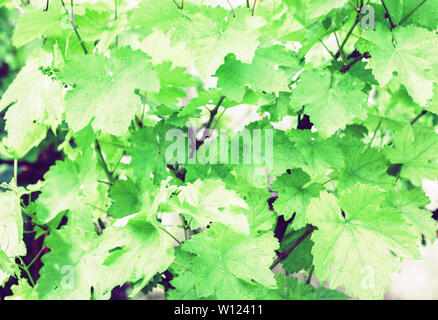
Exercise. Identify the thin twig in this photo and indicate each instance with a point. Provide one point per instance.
(72, 22)
(340, 50)
(352, 4)
(388, 15)
(102, 161)
(26, 269)
(412, 12)
(310, 275)
(284, 254)
(171, 235)
(37, 256)
(347, 67)
(418, 117)
(232, 9)
(254, 7)
(356, 22)
(179, 6)
(182, 266)
(213, 113)
(328, 50)
(375, 132)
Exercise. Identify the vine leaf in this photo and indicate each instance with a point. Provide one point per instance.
(108, 84)
(332, 100)
(395, 52)
(356, 240)
(415, 148)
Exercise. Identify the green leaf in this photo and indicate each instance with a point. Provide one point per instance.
(209, 201)
(35, 23)
(411, 204)
(213, 33)
(217, 265)
(43, 105)
(364, 164)
(416, 149)
(260, 218)
(301, 257)
(80, 260)
(172, 81)
(68, 185)
(423, 16)
(22, 291)
(148, 152)
(319, 155)
(108, 84)
(357, 242)
(294, 196)
(291, 289)
(7, 268)
(332, 100)
(395, 52)
(263, 74)
(11, 225)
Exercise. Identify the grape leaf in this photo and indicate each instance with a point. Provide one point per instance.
(68, 184)
(217, 265)
(332, 100)
(415, 148)
(213, 33)
(395, 52)
(43, 105)
(301, 257)
(263, 74)
(209, 201)
(411, 204)
(294, 195)
(353, 246)
(108, 84)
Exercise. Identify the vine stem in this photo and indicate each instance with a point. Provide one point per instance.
(347, 67)
(182, 266)
(254, 7)
(375, 132)
(412, 12)
(356, 22)
(36, 256)
(179, 6)
(285, 254)
(72, 22)
(108, 173)
(340, 50)
(213, 113)
(388, 15)
(16, 172)
(26, 269)
(418, 117)
(169, 234)
(310, 275)
(328, 50)
(232, 9)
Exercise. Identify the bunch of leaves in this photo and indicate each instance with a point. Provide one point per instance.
(107, 82)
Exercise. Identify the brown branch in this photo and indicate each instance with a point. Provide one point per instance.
(206, 133)
(347, 67)
(418, 116)
(387, 15)
(285, 254)
(356, 22)
(412, 12)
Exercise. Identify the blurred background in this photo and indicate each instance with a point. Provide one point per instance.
(417, 280)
